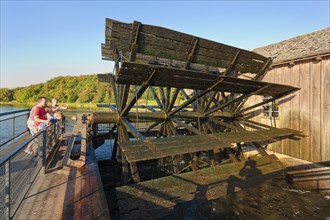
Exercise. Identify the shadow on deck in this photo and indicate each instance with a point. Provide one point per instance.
(68, 193)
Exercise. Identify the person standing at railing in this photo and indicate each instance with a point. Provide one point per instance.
(55, 109)
(40, 121)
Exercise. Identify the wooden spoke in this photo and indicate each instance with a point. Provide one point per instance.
(209, 101)
(188, 127)
(153, 92)
(162, 96)
(174, 96)
(138, 94)
(132, 129)
(153, 125)
(167, 97)
(115, 146)
(236, 100)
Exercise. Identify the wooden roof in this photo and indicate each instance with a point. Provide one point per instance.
(311, 44)
(138, 74)
(152, 44)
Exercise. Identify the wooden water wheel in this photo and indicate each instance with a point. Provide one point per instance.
(199, 93)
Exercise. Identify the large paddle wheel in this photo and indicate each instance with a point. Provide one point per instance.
(195, 113)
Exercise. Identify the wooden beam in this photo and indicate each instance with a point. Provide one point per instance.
(125, 94)
(153, 125)
(236, 100)
(188, 127)
(162, 96)
(132, 129)
(134, 40)
(225, 124)
(174, 96)
(232, 63)
(209, 101)
(194, 98)
(156, 97)
(262, 71)
(138, 94)
(167, 97)
(191, 52)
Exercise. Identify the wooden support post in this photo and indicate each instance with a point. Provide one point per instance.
(175, 168)
(124, 169)
(262, 71)
(191, 52)
(192, 161)
(211, 155)
(260, 149)
(134, 39)
(232, 63)
(135, 172)
(230, 154)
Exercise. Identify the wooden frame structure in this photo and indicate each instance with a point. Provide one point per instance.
(212, 117)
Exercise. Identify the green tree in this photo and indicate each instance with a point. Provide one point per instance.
(6, 95)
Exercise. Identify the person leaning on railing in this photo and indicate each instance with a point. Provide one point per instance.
(40, 121)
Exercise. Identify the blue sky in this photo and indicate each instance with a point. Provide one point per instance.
(44, 39)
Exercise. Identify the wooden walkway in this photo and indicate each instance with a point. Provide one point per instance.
(69, 193)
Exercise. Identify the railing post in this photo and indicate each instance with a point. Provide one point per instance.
(7, 190)
(42, 140)
(27, 118)
(64, 125)
(14, 124)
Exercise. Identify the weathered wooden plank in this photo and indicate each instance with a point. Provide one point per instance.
(325, 105)
(166, 43)
(285, 109)
(175, 146)
(305, 109)
(132, 73)
(278, 121)
(316, 109)
(295, 110)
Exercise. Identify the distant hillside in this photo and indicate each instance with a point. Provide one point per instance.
(68, 89)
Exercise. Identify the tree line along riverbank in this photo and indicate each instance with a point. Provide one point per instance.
(75, 90)
(80, 92)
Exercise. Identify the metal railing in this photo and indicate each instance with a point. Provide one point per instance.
(14, 130)
(19, 169)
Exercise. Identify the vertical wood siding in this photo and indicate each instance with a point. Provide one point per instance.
(307, 110)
